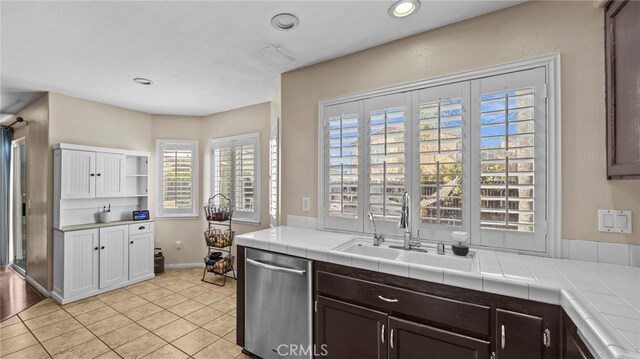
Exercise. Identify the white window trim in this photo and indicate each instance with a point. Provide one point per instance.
(551, 63)
(258, 171)
(194, 181)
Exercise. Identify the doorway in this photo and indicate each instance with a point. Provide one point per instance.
(18, 213)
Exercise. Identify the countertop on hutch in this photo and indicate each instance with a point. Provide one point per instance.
(603, 300)
(79, 227)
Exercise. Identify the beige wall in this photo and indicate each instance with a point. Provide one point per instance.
(244, 120)
(39, 175)
(188, 231)
(574, 29)
(240, 121)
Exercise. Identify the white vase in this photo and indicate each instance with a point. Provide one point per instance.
(105, 217)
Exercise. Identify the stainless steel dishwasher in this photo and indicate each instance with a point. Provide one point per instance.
(278, 305)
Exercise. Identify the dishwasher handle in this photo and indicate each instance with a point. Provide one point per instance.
(276, 268)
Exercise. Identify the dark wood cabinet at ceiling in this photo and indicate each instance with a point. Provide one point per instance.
(622, 53)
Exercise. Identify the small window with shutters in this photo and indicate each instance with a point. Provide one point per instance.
(236, 174)
(177, 178)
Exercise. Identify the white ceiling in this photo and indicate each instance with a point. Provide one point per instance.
(204, 57)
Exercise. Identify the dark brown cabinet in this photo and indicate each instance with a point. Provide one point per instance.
(519, 335)
(349, 331)
(360, 311)
(409, 340)
(622, 44)
(346, 330)
(572, 344)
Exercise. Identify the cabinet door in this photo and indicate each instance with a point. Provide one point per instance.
(622, 36)
(350, 331)
(409, 340)
(81, 249)
(140, 255)
(518, 335)
(114, 255)
(110, 176)
(77, 174)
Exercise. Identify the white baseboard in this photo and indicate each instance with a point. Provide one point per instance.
(37, 286)
(184, 265)
(62, 300)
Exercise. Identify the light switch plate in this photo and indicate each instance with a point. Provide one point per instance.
(613, 221)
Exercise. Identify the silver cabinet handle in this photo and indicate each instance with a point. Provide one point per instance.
(382, 334)
(276, 268)
(503, 337)
(388, 300)
(391, 340)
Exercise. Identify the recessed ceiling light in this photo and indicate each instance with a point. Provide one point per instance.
(285, 22)
(142, 81)
(404, 8)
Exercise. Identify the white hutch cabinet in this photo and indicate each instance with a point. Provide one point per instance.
(91, 257)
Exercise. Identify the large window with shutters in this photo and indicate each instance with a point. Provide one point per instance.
(235, 172)
(177, 178)
(472, 154)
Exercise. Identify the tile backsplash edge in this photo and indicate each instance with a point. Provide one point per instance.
(601, 252)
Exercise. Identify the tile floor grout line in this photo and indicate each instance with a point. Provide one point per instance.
(186, 284)
(92, 333)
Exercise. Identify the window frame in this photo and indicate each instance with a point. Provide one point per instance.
(254, 218)
(552, 96)
(195, 179)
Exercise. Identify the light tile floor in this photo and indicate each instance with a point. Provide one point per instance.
(174, 315)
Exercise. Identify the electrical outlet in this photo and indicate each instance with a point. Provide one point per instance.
(614, 221)
(178, 244)
(306, 204)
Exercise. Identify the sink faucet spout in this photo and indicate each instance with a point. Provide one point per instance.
(405, 221)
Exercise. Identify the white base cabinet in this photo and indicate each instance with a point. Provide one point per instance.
(91, 261)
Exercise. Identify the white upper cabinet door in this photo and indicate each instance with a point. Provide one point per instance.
(110, 176)
(140, 255)
(78, 174)
(81, 250)
(114, 255)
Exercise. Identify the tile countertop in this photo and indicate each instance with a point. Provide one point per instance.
(603, 300)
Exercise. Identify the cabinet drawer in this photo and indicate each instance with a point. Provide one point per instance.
(139, 228)
(466, 316)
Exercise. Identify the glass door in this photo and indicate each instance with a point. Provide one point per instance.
(18, 243)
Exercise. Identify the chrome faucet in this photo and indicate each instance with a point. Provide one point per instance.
(377, 238)
(405, 221)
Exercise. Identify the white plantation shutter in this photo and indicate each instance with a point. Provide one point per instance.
(222, 175)
(343, 136)
(245, 156)
(177, 177)
(441, 159)
(388, 132)
(236, 174)
(273, 174)
(510, 186)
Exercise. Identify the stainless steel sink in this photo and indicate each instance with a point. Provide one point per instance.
(426, 256)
